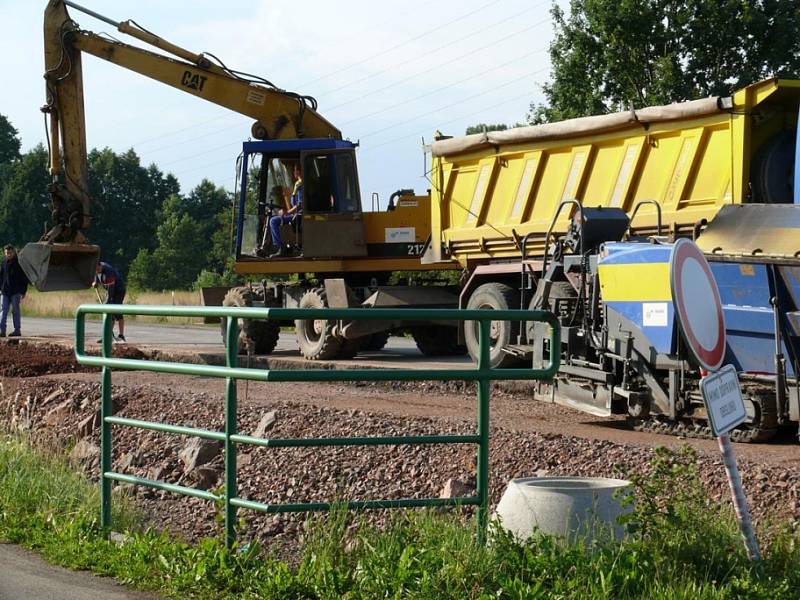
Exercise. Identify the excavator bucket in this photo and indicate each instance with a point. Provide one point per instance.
(57, 267)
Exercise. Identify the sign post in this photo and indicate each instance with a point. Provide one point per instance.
(699, 312)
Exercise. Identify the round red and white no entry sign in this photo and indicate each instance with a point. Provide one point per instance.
(697, 304)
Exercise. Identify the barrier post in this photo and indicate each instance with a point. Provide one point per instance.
(231, 407)
(484, 366)
(106, 410)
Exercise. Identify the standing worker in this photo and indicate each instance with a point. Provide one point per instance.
(112, 280)
(13, 287)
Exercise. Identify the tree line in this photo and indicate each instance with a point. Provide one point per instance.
(611, 55)
(162, 238)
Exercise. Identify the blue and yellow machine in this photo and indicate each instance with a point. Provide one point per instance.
(623, 350)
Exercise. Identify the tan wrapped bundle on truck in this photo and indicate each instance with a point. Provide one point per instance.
(490, 190)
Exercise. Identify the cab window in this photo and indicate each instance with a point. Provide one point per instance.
(330, 183)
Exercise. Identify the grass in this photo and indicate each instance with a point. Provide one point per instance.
(678, 548)
(64, 304)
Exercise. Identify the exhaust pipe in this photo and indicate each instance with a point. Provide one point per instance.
(53, 267)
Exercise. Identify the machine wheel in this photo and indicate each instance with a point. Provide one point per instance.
(438, 340)
(260, 335)
(494, 296)
(559, 290)
(374, 341)
(315, 336)
(773, 169)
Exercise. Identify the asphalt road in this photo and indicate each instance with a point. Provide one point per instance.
(400, 352)
(25, 576)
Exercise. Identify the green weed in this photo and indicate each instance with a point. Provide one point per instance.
(678, 547)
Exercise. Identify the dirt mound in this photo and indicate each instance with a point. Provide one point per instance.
(24, 359)
(31, 360)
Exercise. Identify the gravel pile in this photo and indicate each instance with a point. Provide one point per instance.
(65, 413)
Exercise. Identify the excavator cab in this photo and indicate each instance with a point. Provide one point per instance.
(331, 225)
(56, 267)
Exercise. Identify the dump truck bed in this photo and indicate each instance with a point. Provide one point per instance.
(490, 190)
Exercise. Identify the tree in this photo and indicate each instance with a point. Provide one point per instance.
(481, 127)
(175, 262)
(610, 54)
(127, 201)
(24, 200)
(9, 142)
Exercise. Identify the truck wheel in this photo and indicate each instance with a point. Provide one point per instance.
(438, 340)
(259, 334)
(374, 341)
(773, 169)
(494, 296)
(314, 336)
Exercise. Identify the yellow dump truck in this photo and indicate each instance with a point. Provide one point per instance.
(491, 190)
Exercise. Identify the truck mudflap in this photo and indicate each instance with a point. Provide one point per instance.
(753, 233)
(53, 267)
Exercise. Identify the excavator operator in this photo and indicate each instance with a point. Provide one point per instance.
(293, 214)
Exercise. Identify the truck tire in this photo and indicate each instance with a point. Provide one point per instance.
(773, 170)
(494, 296)
(438, 340)
(315, 336)
(259, 334)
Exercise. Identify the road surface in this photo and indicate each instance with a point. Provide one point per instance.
(25, 576)
(206, 342)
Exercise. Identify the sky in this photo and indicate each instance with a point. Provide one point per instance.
(387, 74)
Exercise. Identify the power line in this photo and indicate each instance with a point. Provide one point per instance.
(479, 94)
(439, 89)
(482, 30)
(420, 133)
(401, 44)
(448, 62)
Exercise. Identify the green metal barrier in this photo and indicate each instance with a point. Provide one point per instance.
(483, 374)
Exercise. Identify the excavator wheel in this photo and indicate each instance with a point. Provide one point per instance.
(315, 336)
(494, 296)
(258, 334)
(438, 340)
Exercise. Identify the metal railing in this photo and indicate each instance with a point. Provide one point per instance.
(230, 437)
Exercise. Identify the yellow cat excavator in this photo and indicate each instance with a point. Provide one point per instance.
(344, 256)
(63, 258)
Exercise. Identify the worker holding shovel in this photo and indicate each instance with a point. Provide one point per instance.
(112, 280)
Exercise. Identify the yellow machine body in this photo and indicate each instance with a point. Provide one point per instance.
(491, 190)
(395, 239)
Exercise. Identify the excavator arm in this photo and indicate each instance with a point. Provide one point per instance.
(63, 258)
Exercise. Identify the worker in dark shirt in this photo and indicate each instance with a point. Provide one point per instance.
(13, 287)
(112, 280)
